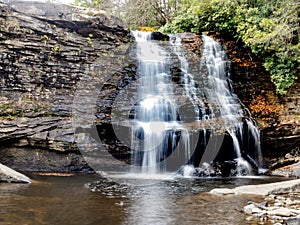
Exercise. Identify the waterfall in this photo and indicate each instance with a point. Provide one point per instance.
(162, 119)
(155, 112)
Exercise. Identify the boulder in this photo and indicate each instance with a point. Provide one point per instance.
(12, 176)
(281, 212)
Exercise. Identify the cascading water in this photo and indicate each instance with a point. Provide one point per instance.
(215, 108)
(155, 114)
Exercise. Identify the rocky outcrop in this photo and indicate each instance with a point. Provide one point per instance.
(280, 206)
(11, 176)
(45, 50)
(261, 189)
(275, 210)
(277, 116)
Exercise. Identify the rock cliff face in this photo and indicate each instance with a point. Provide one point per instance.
(45, 50)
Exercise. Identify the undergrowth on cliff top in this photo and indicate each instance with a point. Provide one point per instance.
(270, 28)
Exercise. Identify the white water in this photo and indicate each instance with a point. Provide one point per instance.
(209, 90)
(155, 113)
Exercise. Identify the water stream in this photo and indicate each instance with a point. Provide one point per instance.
(90, 199)
(156, 114)
(201, 98)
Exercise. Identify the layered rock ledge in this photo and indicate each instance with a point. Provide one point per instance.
(45, 50)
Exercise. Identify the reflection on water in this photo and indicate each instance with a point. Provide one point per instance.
(153, 207)
(57, 200)
(69, 200)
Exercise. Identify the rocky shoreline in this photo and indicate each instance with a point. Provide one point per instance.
(281, 203)
(276, 209)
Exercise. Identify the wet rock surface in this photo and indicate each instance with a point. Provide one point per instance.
(288, 165)
(159, 36)
(45, 51)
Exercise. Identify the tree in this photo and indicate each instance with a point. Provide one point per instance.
(269, 27)
(154, 13)
(97, 4)
(271, 30)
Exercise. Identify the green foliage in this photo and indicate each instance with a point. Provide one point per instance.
(90, 41)
(45, 39)
(270, 28)
(215, 15)
(56, 49)
(204, 15)
(183, 23)
(283, 73)
(89, 3)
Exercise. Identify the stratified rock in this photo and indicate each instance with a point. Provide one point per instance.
(45, 51)
(12, 176)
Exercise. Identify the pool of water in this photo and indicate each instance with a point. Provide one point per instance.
(90, 199)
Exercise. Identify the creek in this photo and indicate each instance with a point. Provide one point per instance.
(90, 199)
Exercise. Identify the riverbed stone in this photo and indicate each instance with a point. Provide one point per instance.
(287, 212)
(222, 191)
(281, 212)
(251, 209)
